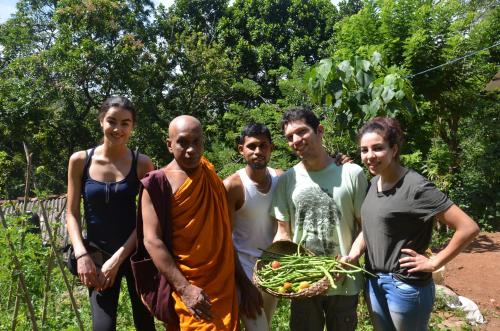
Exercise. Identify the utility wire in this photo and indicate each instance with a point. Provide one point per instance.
(453, 61)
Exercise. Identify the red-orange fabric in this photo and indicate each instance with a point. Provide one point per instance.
(203, 248)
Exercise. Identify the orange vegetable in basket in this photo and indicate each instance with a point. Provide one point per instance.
(287, 285)
(275, 264)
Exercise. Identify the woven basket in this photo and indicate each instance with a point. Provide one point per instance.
(288, 247)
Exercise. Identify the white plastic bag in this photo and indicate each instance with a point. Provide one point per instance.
(470, 309)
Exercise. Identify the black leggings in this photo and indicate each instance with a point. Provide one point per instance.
(105, 304)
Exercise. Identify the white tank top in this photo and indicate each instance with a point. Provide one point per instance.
(253, 227)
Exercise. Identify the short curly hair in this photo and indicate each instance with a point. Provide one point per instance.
(300, 114)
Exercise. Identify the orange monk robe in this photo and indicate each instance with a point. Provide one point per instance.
(203, 248)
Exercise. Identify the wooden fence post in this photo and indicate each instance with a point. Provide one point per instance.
(25, 204)
(46, 290)
(60, 264)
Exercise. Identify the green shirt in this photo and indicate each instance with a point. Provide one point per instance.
(322, 207)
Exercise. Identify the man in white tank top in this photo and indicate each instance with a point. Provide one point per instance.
(250, 193)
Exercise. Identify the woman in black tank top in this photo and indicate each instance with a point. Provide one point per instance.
(107, 177)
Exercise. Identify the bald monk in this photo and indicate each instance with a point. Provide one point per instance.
(201, 265)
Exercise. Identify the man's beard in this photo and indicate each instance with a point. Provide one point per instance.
(257, 166)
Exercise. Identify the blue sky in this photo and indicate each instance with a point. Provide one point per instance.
(7, 7)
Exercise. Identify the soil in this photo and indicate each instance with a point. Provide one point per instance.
(475, 274)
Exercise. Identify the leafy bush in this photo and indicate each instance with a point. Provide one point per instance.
(38, 267)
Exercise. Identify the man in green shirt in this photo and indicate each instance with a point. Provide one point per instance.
(317, 203)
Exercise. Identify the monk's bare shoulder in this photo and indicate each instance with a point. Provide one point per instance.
(235, 191)
(175, 176)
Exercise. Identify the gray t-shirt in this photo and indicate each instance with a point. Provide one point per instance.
(322, 207)
(400, 218)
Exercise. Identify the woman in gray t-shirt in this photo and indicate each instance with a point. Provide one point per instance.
(397, 227)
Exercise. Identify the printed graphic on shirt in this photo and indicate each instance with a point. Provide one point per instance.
(317, 215)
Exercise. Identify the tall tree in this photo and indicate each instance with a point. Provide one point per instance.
(424, 34)
(72, 55)
(349, 7)
(199, 15)
(265, 35)
(200, 74)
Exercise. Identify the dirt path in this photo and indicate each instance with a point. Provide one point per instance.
(475, 274)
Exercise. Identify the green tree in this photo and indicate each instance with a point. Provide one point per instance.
(191, 73)
(419, 35)
(198, 16)
(264, 35)
(352, 92)
(349, 7)
(357, 34)
(72, 55)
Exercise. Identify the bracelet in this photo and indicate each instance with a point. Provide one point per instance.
(86, 253)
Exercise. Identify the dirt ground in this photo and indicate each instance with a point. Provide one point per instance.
(475, 274)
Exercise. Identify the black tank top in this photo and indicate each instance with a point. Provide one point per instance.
(110, 208)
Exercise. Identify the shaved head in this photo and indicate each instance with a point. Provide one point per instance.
(185, 141)
(183, 123)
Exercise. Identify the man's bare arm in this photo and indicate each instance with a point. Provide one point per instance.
(235, 194)
(283, 232)
(193, 297)
(251, 299)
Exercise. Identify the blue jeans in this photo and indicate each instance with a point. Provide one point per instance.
(395, 305)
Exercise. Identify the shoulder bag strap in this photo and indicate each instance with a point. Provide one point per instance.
(88, 157)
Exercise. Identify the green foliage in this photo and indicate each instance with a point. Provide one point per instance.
(232, 64)
(349, 7)
(199, 15)
(352, 92)
(281, 316)
(437, 165)
(264, 35)
(416, 36)
(73, 54)
(249, 60)
(412, 161)
(477, 182)
(8, 165)
(37, 266)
